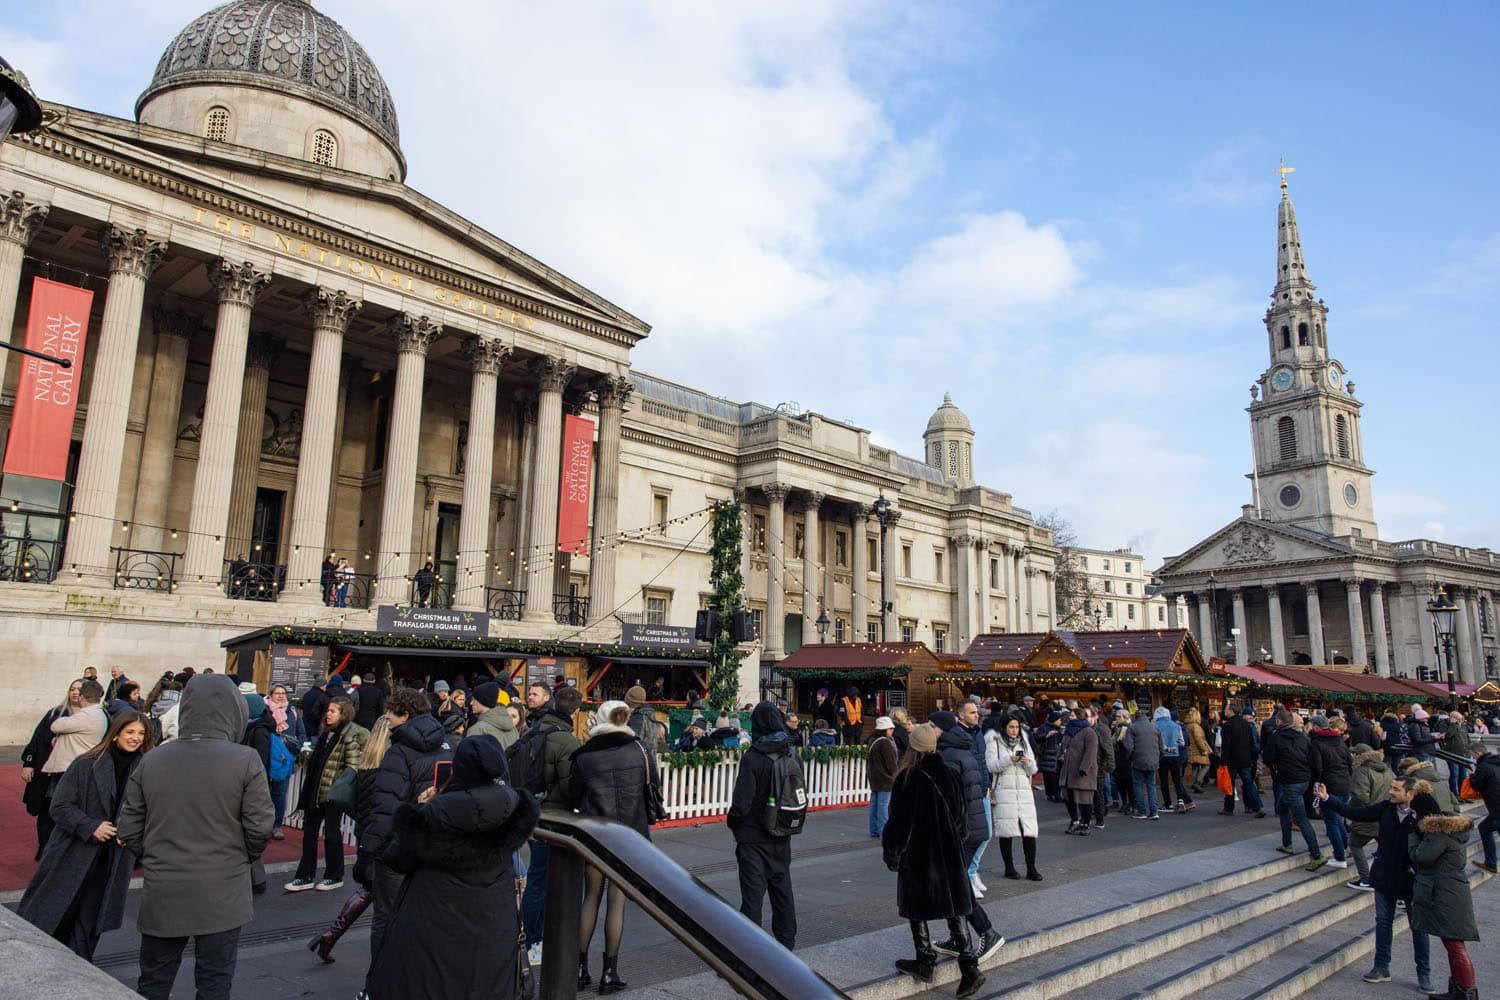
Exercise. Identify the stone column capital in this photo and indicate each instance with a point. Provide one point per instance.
(811, 501)
(131, 251)
(893, 517)
(552, 373)
(486, 356)
(965, 539)
(859, 512)
(776, 492)
(19, 218)
(614, 391)
(331, 308)
(176, 323)
(237, 284)
(261, 351)
(1311, 586)
(1351, 582)
(413, 334)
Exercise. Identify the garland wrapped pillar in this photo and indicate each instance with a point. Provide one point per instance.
(729, 597)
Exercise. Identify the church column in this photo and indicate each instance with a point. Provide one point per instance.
(1278, 627)
(889, 626)
(775, 630)
(1315, 625)
(237, 286)
(859, 582)
(982, 567)
(153, 485)
(331, 311)
(614, 397)
(1049, 590)
(260, 356)
(1377, 625)
(552, 375)
(19, 221)
(393, 556)
(1242, 639)
(526, 421)
(1206, 629)
(1406, 637)
(962, 628)
(1172, 616)
(1463, 640)
(349, 370)
(486, 357)
(1358, 651)
(1476, 673)
(133, 255)
(811, 558)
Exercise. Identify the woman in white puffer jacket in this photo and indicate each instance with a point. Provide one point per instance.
(1012, 763)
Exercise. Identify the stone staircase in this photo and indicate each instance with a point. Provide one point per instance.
(1232, 922)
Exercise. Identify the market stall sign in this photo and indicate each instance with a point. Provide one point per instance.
(1125, 663)
(298, 668)
(1006, 665)
(1061, 665)
(439, 622)
(955, 667)
(660, 637)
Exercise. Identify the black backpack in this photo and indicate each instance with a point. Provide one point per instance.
(527, 761)
(786, 806)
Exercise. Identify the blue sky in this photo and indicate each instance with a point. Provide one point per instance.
(1064, 214)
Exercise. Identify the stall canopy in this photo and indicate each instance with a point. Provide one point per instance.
(1345, 685)
(856, 660)
(1046, 657)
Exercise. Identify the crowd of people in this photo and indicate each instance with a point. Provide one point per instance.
(445, 788)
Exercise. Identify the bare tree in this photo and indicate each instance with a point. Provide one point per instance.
(1075, 597)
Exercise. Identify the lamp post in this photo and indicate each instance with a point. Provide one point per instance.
(1098, 619)
(823, 624)
(1443, 613)
(883, 514)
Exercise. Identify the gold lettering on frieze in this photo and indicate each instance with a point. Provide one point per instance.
(365, 270)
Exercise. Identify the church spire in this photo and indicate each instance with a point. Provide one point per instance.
(1291, 269)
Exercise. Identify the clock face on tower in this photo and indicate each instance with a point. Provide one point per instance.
(1333, 377)
(1281, 379)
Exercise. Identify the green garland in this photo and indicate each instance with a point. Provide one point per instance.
(729, 596)
(811, 755)
(849, 673)
(317, 636)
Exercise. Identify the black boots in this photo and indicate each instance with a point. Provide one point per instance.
(1010, 861)
(920, 967)
(970, 980)
(348, 913)
(584, 979)
(1028, 847)
(609, 979)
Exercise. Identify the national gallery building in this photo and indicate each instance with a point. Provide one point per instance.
(302, 382)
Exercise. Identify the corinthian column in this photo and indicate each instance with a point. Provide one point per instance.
(153, 486)
(775, 630)
(614, 396)
(552, 376)
(811, 503)
(132, 257)
(19, 221)
(1377, 625)
(331, 310)
(413, 335)
(888, 630)
(1358, 651)
(1315, 625)
(1278, 629)
(238, 286)
(486, 358)
(260, 355)
(859, 583)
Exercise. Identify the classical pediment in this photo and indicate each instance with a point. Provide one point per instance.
(1247, 543)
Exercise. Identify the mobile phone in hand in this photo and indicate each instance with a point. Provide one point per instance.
(441, 772)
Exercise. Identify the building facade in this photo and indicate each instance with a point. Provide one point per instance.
(1113, 590)
(1302, 576)
(295, 359)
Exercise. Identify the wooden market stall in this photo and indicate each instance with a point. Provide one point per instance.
(888, 674)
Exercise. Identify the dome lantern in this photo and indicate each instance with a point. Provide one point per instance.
(948, 443)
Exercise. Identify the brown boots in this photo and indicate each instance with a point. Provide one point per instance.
(352, 908)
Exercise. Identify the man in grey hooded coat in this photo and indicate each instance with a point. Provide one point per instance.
(198, 813)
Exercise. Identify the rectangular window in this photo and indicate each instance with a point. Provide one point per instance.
(658, 607)
(758, 532)
(908, 630)
(939, 638)
(872, 630)
(1109, 586)
(1083, 562)
(906, 561)
(872, 554)
(1130, 611)
(841, 548)
(1127, 568)
(1106, 565)
(1161, 614)
(1109, 609)
(1129, 587)
(659, 510)
(994, 574)
(841, 630)
(757, 619)
(937, 565)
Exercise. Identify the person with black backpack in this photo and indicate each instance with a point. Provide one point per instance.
(541, 761)
(769, 805)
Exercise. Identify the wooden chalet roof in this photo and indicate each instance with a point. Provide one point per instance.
(852, 656)
(1154, 651)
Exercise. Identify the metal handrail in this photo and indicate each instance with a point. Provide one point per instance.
(439, 596)
(253, 581)
(505, 603)
(570, 610)
(748, 958)
(145, 569)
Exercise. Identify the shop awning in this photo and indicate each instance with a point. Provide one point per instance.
(1259, 676)
(445, 654)
(654, 661)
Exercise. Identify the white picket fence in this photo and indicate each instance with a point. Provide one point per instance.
(698, 792)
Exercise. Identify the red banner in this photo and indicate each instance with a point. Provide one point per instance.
(573, 499)
(46, 395)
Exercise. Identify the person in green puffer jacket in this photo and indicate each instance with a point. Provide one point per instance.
(1371, 783)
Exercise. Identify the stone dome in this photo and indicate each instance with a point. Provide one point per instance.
(282, 45)
(949, 418)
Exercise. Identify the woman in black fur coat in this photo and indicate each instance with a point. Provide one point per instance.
(923, 843)
(454, 929)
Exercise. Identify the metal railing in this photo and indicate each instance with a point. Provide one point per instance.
(504, 603)
(145, 569)
(570, 610)
(253, 581)
(439, 594)
(348, 591)
(748, 959)
(26, 559)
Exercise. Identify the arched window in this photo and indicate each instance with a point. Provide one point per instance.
(937, 455)
(953, 459)
(1286, 337)
(1302, 340)
(1286, 435)
(1341, 435)
(325, 148)
(216, 124)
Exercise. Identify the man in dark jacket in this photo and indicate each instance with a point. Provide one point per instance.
(957, 752)
(1143, 745)
(371, 705)
(764, 859)
(1237, 747)
(555, 724)
(418, 744)
(1486, 781)
(314, 706)
(968, 718)
(1288, 754)
(1105, 793)
(198, 813)
(1361, 730)
(1391, 874)
(1332, 767)
(881, 770)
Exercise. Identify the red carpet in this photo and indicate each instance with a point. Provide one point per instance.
(18, 835)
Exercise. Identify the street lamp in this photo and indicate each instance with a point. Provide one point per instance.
(883, 514)
(823, 625)
(19, 109)
(1443, 613)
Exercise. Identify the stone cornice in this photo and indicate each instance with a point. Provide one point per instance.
(19, 218)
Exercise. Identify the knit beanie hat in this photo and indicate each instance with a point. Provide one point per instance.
(944, 721)
(924, 738)
(487, 693)
(635, 697)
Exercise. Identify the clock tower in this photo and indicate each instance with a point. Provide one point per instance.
(1309, 454)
